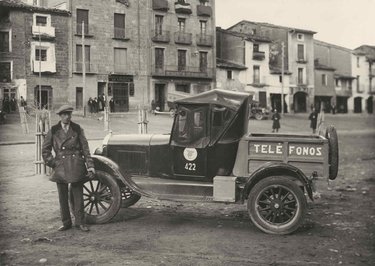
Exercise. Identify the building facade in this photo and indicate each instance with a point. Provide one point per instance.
(34, 52)
(259, 78)
(324, 93)
(298, 59)
(229, 75)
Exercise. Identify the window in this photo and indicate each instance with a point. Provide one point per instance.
(256, 74)
(324, 80)
(40, 54)
(203, 27)
(300, 76)
(41, 20)
(183, 88)
(159, 58)
(181, 24)
(4, 41)
(120, 56)
(255, 47)
(79, 57)
(301, 52)
(82, 17)
(203, 61)
(358, 84)
(158, 25)
(5, 72)
(203, 2)
(357, 61)
(131, 89)
(280, 78)
(253, 31)
(119, 26)
(300, 36)
(181, 60)
(337, 82)
(229, 74)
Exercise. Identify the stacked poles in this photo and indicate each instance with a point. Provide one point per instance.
(42, 125)
(142, 120)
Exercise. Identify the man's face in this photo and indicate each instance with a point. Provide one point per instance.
(66, 117)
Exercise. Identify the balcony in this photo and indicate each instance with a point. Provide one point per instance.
(204, 40)
(301, 82)
(90, 68)
(259, 81)
(182, 8)
(44, 66)
(182, 38)
(161, 36)
(44, 31)
(257, 55)
(301, 61)
(79, 30)
(160, 5)
(120, 34)
(205, 11)
(182, 72)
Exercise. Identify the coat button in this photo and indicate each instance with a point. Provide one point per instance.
(63, 148)
(63, 157)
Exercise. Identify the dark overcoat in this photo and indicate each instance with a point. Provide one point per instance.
(276, 121)
(72, 154)
(314, 118)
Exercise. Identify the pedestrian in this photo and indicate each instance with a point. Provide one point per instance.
(313, 117)
(333, 109)
(23, 104)
(96, 105)
(90, 103)
(68, 141)
(101, 102)
(112, 105)
(13, 104)
(276, 121)
(6, 105)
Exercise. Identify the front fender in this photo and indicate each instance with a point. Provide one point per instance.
(272, 169)
(107, 165)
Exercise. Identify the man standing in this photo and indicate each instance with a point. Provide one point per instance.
(313, 118)
(70, 145)
(276, 121)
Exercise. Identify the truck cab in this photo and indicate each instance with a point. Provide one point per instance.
(210, 156)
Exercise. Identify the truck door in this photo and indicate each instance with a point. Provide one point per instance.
(189, 143)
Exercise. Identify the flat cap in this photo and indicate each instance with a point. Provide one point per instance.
(64, 109)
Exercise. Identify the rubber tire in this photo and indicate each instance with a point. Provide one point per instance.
(259, 116)
(127, 202)
(333, 153)
(116, 204)
(265, 226)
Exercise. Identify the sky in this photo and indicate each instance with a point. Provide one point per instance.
(347, 23)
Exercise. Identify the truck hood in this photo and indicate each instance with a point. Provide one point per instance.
(138, 139)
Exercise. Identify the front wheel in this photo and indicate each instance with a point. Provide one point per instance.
(101, 198)
(277, 205)
(258, 116)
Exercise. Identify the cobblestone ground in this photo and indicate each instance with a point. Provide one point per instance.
(339, 229)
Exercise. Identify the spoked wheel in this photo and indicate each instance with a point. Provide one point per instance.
(258, 116)
(101, 198)
(277, 205)
(128, 196)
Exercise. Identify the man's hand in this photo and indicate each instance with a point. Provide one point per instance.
(91, 173)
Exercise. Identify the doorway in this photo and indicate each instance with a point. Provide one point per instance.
(160, 96)
(358, 105)
(79, 98)
(43, 94)
(121, 96)
(300, 102)
(370, 105)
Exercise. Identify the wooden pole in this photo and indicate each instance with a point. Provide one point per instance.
(282, 77)
(83, 70)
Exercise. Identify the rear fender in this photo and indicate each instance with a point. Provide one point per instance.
(276, 169)
(107, 165)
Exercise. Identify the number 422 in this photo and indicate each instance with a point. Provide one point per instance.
(190, 166)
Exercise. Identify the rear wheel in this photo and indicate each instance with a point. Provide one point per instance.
(101, 198)
(258, 116)
(277, 205)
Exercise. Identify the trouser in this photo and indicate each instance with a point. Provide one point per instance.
(77, 199)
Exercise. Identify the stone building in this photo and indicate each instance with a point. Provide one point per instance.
(298, 58)
(258, 77)
(324, 93)
(34, 52)
(229, 75)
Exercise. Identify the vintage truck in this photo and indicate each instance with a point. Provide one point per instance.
(210, 156)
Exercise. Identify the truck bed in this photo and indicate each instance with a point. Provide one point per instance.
(309, 153)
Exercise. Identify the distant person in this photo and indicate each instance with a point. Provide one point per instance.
(313, 118)
(23, 102)
(276, 121)
(333, 108)
(13, 104)
(6, 105)
(112, 105)
(95, 105)
(72, 164)
(90, 103)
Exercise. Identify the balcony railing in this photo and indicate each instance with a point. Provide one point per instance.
(301, 60)
(44, 66)
(204, 40)
(301, 82)
(182, 38)
(183, 8)
(259, 81)
(204, 11)
(79, 30)
(120, 33)
(257, 55)
(161, 36)
(90, 68)
(160, 5)
(182, 71)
